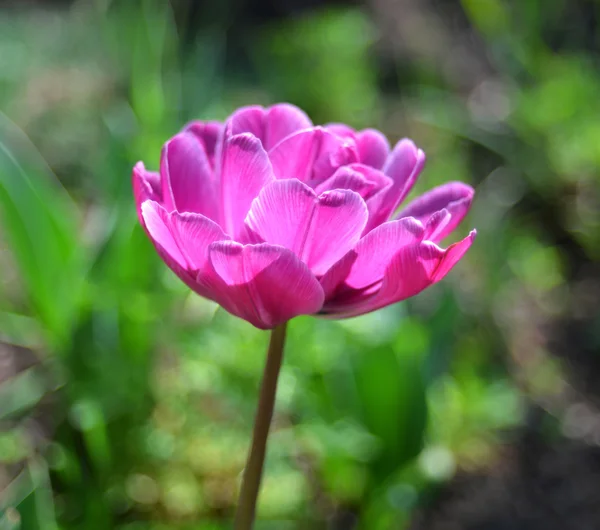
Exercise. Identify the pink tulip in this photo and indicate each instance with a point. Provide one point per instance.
(272, 217)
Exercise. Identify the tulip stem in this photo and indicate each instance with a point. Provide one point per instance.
(244, 516)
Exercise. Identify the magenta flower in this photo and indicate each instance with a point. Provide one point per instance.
(272, 217)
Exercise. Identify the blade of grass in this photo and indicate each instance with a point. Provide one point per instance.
(40, 223)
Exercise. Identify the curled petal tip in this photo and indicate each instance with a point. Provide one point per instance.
(146, 186)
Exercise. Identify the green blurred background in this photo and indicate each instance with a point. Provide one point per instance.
(127, 403)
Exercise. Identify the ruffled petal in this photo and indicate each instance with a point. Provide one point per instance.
(245, 170)
(311, 155)
(371, 184)
(157, 222)
(208, 133)
(146, 186)
(346, 178)
(281, 121)
(182, 240)
(373, 148)
(366, 264)
(412, 269)
(403, 166)
(454, 197)
(264, 284)
(270, 125)
(341, 129)
(449, 257)
(188, 183)
(436, 224)
(360, 178)
(319, 229)
(246, 120)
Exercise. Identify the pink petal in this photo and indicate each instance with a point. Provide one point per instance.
(436, 224)
(360, 178)
(208, 133)
(182, 240)
(270, 125)
(406, 275)
(188, 183)
(193, 233)
(245, 170)
(247, 120)
(371, 184)
(403, 166)
(146, 186)
(311, 155)
(318, 229)
(157, 222)
(346, 178)
(372, 255)
(373, 148)
(412, 269)
(454, 197)
(451, 256)
(264, 284)
(342, 130)
(281, 121)
(377, 248)
(332, 281)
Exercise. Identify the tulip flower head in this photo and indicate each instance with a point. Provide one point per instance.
(272, 217)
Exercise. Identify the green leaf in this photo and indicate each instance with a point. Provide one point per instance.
(30, 496)
(393, 407)
(21, 393)
(41, 225)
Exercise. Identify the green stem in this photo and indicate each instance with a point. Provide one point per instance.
(244, 516)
